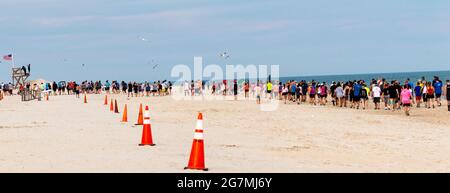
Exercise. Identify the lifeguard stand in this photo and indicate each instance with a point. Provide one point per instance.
(19, 76)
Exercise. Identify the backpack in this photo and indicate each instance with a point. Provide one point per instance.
(323, 90)
(363, 92)
(313, 90)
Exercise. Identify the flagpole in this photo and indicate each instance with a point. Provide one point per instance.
(12, 69)
(13, 56)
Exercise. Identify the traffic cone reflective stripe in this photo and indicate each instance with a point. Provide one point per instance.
(147, 130)
(197, 158)
(198, 135)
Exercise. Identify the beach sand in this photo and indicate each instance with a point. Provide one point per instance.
(66, 135)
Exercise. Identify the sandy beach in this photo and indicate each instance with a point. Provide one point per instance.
(66, 135)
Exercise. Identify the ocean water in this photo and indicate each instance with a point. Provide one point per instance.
(400, 76)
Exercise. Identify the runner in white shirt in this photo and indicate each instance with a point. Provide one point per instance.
(186, 88)
(424, 96)
(258, 94)
(376, 94)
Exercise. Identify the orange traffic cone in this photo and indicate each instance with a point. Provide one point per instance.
(140, 116)
(116, 108)
(46, 97)
(125, 114)
(85, 98)
(111, 106)
(106, 100)
(147, 130)
(197, 158)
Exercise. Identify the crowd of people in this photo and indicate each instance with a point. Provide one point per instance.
(388, 95)
(6, 89)
(132, 89)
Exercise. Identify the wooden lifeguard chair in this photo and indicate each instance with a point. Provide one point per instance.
(19, 77)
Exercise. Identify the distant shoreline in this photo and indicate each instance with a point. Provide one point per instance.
(371, 73)
(337, 77)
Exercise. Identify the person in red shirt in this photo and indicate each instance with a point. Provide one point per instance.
(225, 88)
(246, 89)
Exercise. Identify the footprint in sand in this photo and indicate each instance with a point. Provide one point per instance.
(230, 146)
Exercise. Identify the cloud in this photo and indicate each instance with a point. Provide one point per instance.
(254, 26)
(273, 25)
(173, 18)
(61, 22)
(166, 17)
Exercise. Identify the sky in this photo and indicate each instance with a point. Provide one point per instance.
(303, 37)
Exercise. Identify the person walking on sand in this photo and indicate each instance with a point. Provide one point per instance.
(430, 95)
(292, 91)
(333, 94)
(323, 89)
(364, 95)
(186, 88)
(54, 88)
(346, 88)
(130, 89)
(258, 93)
(447, 93)
(77, 89)
(438, 91)
(405, 98)
(298, 93)
(285, 92)
(124, 87)
(213, 88)
(376, 94)
(235, 90)
(424, 93)
(269, 89)
(351, 94)
(135, 89)
(280, 91)
(418, 94)
(154, 88)
(99, 87)
(304, 90)
(357, 94)
(339, 94)
(147, 89)
(107, 87)
(192, 87)
(312, 93)
(393, 95)
(224, 84)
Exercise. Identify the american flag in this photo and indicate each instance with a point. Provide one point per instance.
(8, 57)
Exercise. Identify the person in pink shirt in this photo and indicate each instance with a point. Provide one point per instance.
(405, 97)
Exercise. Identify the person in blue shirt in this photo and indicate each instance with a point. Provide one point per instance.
(107, 86)
(418, 93)
(304, 90)
(438, 91)
(293, 88)
(357, 94)
(408, 82)
(447, 93)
